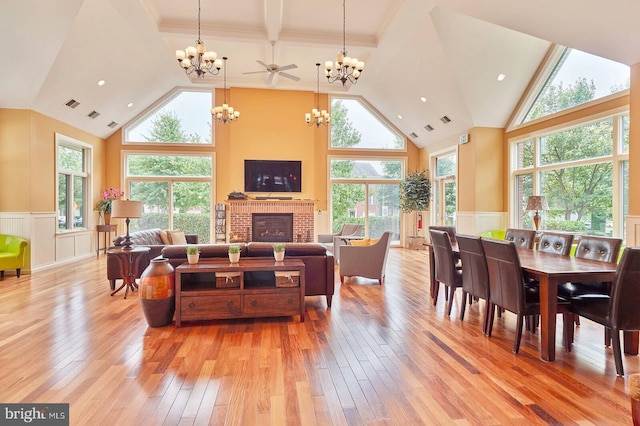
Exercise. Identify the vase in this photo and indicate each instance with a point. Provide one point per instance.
(278, 255)
(107, 218)
(156, 289)
(193, 258)
(234, 257)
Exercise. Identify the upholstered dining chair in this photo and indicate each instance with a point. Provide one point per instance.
(507, 288)
(365, 261)
(555, 243)
(475, 275)
(619, 311)
(446, 271)
(522, 238)
(451, 230)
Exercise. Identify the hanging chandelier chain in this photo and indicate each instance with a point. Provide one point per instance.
(317, 117)
(199, 38)
(197, 59)
(225, 112)
(344, 26)
(345, 68)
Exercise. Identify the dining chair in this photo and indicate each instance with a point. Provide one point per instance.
(446, 271)
(618, 311)
(451, 230)
(522, 238)
(475, 276)
(555, 243)
(507, 288)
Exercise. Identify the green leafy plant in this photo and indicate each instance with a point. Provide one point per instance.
(234, 249)
(193, 250)
(415, 193)
(278, 247)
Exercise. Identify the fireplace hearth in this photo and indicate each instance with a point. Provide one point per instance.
(272, 227)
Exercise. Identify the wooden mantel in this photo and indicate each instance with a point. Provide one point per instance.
(241, 211)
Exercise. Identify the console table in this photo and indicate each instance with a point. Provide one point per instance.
(106, 230)
(217, 289)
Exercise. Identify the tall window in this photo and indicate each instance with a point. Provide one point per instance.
(445, 189)
(72, 163)
(175, 190)
(184, 117)
(579, 170)
(366, 192)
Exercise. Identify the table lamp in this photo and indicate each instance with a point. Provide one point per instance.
(126, 209)
(537, 203)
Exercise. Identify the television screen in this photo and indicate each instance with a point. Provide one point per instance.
(272, 176)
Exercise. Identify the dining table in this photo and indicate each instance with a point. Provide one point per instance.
(550, 270)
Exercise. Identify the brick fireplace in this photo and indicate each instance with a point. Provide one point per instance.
(241, 217)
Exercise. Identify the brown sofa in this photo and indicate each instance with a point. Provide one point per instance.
(319, 264)
(148, 238)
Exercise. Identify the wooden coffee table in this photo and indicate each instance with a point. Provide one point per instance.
(217, 289)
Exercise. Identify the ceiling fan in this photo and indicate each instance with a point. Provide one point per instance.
(274, 68)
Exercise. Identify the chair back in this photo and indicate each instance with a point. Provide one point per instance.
(451, 230)
(625, 294)
(444, 259)
(556, 243)
(475, 275)
(351, 229)
(506, 281)
(522, 238)
(599, 248)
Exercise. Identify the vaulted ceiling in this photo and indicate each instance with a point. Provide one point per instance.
(449, 51)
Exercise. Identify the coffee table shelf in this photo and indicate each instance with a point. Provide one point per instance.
(204, 290)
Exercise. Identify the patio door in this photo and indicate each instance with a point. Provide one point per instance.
(446, 201)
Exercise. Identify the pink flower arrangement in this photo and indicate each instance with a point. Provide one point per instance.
(108, 195)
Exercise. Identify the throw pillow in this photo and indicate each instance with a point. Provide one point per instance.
(373, 241)
(165, 237)
(177, 237)
(364, 242)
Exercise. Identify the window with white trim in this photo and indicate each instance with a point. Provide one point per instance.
(73, 163)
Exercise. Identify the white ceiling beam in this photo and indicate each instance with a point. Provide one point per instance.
(273, 10)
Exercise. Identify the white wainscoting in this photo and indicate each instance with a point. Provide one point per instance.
(473, 223)
(46, 247)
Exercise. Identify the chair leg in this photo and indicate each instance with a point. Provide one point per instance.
(18, 272)
(617, 353)
(341, 279)
(464, 305)
(577, 319)
(492, 309)
(519, 325)
(485, 323)
(451, 299)
(2, 274)
(436, 290)
(607, 336)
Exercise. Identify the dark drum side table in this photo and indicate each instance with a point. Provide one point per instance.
(106, 230)
(128, 260)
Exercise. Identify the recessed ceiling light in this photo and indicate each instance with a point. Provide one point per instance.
(501, 77)
(130, 104)
(101, 82)
(399, 116)
(423, 99)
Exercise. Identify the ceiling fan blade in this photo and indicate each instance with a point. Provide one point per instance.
(292, 77)
(255, 72)
(262, 63)
(270, 79)
(287, 67)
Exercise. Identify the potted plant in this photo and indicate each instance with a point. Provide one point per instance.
(415, 194)
(193, 254)
(104, 205)
(234, 253)
(278, 252)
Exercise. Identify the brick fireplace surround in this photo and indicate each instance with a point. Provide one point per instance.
(240, 212)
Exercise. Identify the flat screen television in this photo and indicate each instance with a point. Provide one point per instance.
(272, 176)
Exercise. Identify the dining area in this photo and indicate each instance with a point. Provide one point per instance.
(539, 276)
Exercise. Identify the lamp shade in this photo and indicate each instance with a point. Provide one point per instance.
(537, 202)
(126, 209)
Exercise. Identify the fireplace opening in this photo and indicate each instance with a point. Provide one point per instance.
(272, 227)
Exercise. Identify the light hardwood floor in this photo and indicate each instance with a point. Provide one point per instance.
(382, 355)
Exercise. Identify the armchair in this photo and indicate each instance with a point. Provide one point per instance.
(365, 261)
(12, 250)
(334, 241)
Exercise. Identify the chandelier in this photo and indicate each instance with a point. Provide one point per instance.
(225, 113)
(345, 68)
(319, 117)
(197, 58)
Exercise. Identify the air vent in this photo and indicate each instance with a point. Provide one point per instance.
(445, 119)
(72, 103)
(112, 124)
(429, 128)
(413, 135)
(93, 114)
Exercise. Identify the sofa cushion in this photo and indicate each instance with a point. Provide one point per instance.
(256, 249)
(145, 237)
(165, 237)
(176, 237)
